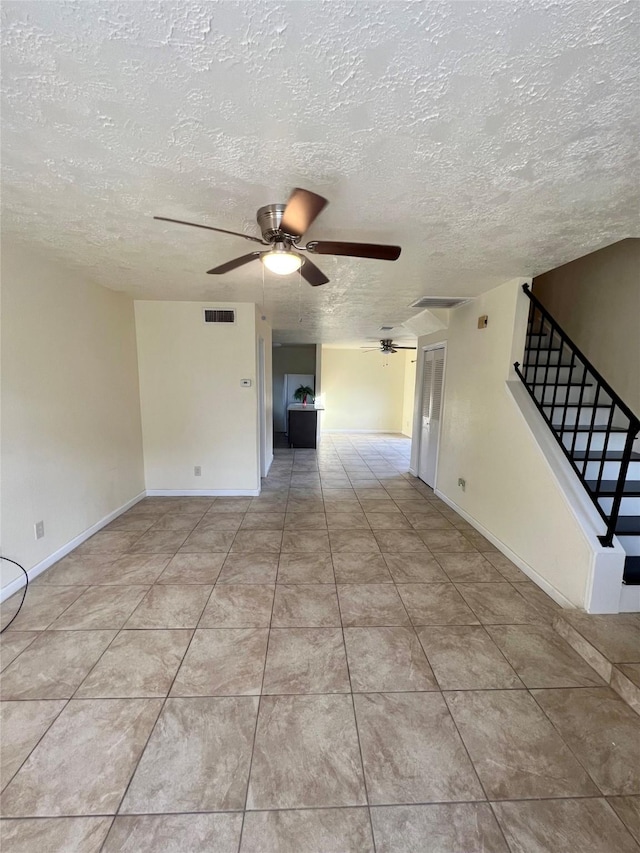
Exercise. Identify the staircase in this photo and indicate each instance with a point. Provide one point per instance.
(592, 425)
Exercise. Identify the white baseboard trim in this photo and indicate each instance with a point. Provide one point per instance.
(413, 472)
(269, 464)
(551, 591)
(14, 585)
(43, 565)
(204, 493)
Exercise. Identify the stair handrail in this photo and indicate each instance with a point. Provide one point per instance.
(610, 518)
(597, 375)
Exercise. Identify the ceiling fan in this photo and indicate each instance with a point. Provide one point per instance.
(282, 227)
(386, 346)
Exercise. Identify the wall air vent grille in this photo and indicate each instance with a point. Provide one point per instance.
(219, 315)
(440, 301)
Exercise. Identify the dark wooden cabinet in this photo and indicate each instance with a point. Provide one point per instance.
(303, 427)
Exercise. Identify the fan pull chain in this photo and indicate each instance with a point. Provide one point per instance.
(299, 296)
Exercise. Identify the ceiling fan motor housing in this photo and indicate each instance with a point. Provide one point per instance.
(269, 218)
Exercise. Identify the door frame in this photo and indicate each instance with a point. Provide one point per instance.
(417, 423)
(262, 410)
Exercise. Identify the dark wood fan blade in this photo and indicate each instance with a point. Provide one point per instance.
(312, 274)
(234, 264)
(302, 208)
(211, 228)
(395, 347)
(355, 250)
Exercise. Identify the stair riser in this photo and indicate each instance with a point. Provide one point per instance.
(631, 544)
(563, 395)
(610, 471)
(546, 356)
(614, 441)
(628, 506)
(549, 375)
(585, 417)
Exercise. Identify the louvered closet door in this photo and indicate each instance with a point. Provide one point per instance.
(432, 391)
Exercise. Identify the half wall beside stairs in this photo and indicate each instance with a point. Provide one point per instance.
(520, 490)
(593, 426)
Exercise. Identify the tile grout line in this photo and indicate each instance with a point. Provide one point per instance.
(118, 631)
(559, 733)
(354, 708)
(581, 797)
(441, 693)
(437, 689)
(464, 745)
(66, 702)
(255, 728)
(32, 640)
(49, 624)
(355, 720)
(413, 628)
(501, 829)
(152, 730)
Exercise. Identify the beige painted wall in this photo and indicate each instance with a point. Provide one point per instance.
(71, 438)
(510, 488)
(596, 300)
(194, 410)
(408, 392)
(362, 391)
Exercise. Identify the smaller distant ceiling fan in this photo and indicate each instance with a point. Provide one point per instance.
(282, 227)
(386, 346)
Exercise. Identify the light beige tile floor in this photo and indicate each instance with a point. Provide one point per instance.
(340, 665)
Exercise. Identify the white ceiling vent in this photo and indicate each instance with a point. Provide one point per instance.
(386, 328)
(440, 301)
(219, 315)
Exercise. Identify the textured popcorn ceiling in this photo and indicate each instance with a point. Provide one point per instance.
(489, 139)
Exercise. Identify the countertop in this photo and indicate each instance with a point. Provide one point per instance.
(310, 407)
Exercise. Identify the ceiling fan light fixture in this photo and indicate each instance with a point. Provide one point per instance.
(281, 261)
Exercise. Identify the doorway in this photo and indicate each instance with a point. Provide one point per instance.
(289, 359)
(431, 412)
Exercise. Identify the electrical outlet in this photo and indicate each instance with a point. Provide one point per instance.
(462, 483)
(197, 471)
(39, 529)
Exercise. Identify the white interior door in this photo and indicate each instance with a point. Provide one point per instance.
(432, 389)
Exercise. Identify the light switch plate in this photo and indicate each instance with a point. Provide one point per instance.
(245, 383)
